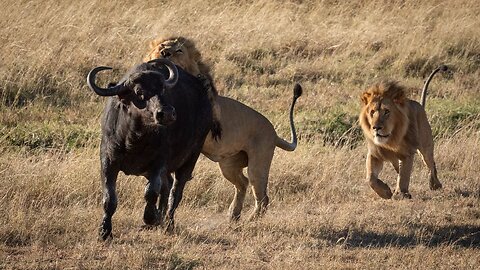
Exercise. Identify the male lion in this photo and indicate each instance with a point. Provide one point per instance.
(248, 138)
(395, 127)
(182, 52)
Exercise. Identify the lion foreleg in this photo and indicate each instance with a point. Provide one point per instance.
(403, 180)
(374, 167)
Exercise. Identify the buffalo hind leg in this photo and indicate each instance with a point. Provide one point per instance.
(109, 182)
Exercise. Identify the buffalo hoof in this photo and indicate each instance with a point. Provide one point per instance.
(105, 231)
(435, 186)
(234, 218)
(151, 216)
(169, 226)
(398, 195)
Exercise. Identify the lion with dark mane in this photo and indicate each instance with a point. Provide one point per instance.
(395, 127)
(248, 138)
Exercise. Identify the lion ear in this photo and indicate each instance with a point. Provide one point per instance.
(399, 98)
(366, 97)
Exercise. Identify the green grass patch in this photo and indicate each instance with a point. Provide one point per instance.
(36, 136)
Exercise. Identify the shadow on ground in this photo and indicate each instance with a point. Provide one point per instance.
(467, 236)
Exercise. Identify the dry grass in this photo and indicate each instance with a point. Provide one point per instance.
(322, 213)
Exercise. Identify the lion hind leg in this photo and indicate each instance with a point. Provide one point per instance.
(258, 171)
(427, 156)
(232, 170)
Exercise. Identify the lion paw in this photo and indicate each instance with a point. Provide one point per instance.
(382, 189)
(399, 195)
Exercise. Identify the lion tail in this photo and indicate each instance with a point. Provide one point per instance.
(442, 68)
(297, 92)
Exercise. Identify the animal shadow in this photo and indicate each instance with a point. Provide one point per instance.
(467, 236)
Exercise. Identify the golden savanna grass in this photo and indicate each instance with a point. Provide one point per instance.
(322, 214)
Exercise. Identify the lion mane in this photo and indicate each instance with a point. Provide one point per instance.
(193, 62)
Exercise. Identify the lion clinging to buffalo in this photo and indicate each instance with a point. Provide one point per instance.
(395, 127)
(248, 138)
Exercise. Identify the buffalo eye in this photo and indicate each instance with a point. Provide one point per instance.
(387, 112)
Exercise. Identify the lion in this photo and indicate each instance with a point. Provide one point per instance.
(395, 127)
(183, 53)
(248, 138)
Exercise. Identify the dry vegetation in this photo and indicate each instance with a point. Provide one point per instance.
(322, 214)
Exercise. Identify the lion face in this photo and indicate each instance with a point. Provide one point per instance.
(383, 117)
(378, 114)
(178, 50)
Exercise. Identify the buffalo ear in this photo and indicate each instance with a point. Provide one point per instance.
(366, 97)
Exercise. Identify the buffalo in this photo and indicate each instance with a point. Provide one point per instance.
(154, 124)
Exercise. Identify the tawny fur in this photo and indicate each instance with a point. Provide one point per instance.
(248, 139)
(190, 59)
(395, 127)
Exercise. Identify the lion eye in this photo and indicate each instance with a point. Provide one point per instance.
(372, 112)
(179, 51)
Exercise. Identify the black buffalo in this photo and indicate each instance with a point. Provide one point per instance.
(152, 125)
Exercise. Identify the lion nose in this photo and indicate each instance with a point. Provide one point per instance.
(377, 127)
(165, 53)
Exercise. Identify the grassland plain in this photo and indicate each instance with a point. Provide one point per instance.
(322, 214)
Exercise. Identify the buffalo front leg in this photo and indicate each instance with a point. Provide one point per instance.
(374, 167)
(151, 216)
(176, 194)
(403, 180)
(182, 176)
(163, 198)
(109, 181)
